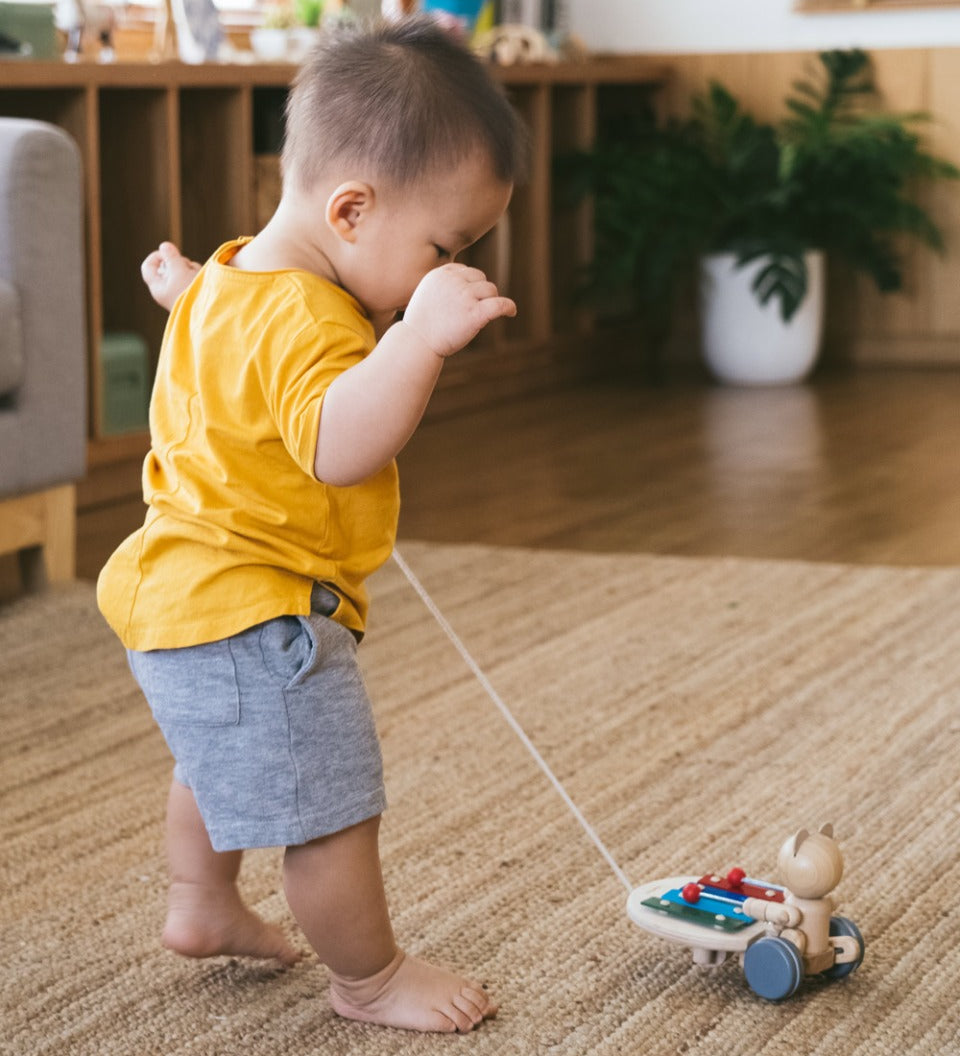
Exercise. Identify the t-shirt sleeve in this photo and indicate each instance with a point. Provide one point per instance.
(297, 377)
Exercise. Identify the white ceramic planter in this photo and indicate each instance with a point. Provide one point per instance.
(747, 343)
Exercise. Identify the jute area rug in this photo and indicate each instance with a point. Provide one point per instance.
(698, 711)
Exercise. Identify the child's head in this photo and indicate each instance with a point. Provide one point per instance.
(397, 102)
(400, 152)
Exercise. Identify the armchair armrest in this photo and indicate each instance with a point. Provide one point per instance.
(43, 417)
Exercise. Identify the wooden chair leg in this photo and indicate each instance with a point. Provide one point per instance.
(42, 528)
(60, 547)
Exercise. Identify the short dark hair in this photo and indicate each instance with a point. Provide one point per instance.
(404, 98)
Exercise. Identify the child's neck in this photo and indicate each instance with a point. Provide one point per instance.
(286, 243)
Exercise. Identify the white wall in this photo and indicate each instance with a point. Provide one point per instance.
(751, 25)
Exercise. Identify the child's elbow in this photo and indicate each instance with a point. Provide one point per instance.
(339, 473)
(334, 476)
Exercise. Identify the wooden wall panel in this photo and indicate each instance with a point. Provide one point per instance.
(944, 104)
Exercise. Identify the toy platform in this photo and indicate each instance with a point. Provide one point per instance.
(703, 913)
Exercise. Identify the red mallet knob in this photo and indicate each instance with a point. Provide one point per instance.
(690, 892)
(736, 877)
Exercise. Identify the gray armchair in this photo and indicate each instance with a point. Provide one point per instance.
(43, 403)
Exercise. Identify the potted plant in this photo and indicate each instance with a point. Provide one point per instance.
(757, 205)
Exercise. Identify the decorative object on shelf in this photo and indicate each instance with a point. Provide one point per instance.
(165, 47)
(487, 17)
(523, 13)
(70, 16)
(515, 45)
(81, 24)
(330, 11)
(27, 31)
(290, 29)
(398, 8)
(836, 174)
(124, 383)
(104, 27)
(457, 15)
(270, 43)
(200, 36)
(550, 17)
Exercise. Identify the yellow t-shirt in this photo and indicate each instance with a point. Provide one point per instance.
(238, 527)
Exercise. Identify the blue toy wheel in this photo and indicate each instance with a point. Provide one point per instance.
(843, 926)
(773, 968)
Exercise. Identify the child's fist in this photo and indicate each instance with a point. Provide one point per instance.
(167, 273)
(451, 305)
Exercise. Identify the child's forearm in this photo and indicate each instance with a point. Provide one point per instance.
(372, 410)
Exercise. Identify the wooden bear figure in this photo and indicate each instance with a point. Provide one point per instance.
(810, 867)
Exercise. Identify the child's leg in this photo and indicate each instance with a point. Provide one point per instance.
(335, 889)
(205, 915)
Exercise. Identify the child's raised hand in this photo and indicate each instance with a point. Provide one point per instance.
(167, 273)
(451, 305)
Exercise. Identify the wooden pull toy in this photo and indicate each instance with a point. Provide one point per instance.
(781, 933)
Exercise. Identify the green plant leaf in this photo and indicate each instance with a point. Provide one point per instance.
(783, 277)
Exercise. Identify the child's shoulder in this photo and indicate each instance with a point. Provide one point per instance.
(273, 305)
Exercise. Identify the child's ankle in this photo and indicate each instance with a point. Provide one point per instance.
(350, 986)
(209, 921)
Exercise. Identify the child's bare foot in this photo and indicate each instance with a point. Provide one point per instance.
(412, 995)
(210, 921)
(167, 273)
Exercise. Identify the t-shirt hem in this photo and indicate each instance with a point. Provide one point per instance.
(185, 634)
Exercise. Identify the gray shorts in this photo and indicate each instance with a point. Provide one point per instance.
(271, 729)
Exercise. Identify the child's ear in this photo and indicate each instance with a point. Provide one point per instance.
(346, 208)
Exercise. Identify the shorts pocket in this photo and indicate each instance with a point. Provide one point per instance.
(193, 686)
(288, 645)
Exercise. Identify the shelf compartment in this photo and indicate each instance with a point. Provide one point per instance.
(216, 169)
(574, 127)
(529, 217)
(138, 205)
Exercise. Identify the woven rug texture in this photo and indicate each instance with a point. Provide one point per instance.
(698, 711)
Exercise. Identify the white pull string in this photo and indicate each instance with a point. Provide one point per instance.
(508, 715)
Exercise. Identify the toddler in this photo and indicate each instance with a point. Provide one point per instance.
(272, 494)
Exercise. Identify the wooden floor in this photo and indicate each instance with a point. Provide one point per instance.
(861, 468)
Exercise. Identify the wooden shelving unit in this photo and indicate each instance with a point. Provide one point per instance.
(176, 151)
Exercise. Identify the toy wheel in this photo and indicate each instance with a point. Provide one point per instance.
(773, 968)
(843, 926)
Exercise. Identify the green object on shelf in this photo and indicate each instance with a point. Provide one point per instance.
(33, 26)
(124, 388)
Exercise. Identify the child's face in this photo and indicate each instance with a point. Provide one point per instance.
(406, 233)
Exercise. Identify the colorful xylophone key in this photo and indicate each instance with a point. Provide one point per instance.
(741, 887)
(717, 913)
